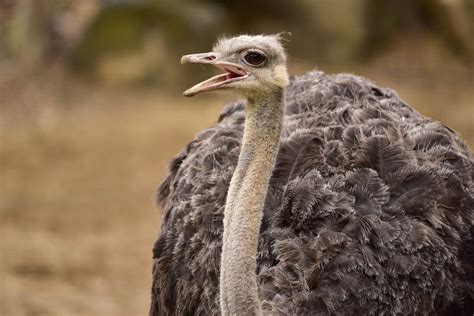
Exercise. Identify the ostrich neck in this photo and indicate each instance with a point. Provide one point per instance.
(245, 202)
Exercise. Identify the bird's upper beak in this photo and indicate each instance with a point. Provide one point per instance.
(202, 58)
(232, 73)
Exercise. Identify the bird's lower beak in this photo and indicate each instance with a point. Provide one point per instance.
(232, 73)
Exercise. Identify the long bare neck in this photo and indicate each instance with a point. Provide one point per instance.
(245, 202)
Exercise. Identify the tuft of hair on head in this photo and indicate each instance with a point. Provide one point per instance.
(283, 37)
(278, 38)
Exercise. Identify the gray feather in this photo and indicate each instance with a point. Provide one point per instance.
(369, 210)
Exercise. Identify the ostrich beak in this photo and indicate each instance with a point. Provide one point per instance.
(232, 73)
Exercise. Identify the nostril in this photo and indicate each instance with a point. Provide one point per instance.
(211, 57)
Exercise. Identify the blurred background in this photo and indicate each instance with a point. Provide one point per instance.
(92, 111)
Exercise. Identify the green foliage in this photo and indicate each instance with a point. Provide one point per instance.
(117, 28)
(386, 19)
(147, 36)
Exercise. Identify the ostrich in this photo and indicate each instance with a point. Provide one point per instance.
(318, 194)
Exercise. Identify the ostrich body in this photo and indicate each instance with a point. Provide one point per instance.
(317, 195)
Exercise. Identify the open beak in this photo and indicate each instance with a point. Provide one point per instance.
(232, 73)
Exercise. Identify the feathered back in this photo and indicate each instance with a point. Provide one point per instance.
(370, 209)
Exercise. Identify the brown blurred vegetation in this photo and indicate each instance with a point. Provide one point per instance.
(91, 112)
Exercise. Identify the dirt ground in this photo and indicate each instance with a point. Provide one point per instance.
(79, 167)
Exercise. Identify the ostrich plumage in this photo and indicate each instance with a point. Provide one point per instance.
(369, 209)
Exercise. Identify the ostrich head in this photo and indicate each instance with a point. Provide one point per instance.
(253, 65)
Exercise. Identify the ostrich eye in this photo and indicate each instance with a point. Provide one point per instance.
(255, 58)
